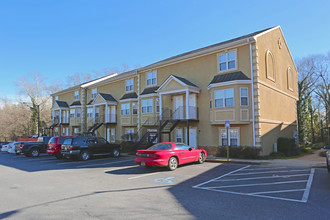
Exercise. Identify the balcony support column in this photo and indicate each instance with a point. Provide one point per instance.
(60, 116)
(94, 114)
(106, 113)
(160, 106)
(187, 104)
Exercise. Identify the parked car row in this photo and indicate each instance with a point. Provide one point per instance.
(74, 147)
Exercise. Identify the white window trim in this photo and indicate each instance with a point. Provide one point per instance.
(94, 93)
(240, 96)
(151, 78)
(129, 109)
(226, 52)
(290, 75)
(56, 98)
(224, 99)
(176, 134)
(130, 84)
(274, 69)
(238, 135)
(147, 106)
(74, 113)
(76, 95)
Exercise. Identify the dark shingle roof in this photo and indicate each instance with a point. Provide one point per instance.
(62, 104)
(185, 81)
(75, 103)
(131, 95)
(229, 77)
(90, 102)
(108, 97)
(149, 90)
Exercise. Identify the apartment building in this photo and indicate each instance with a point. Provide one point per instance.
(250, 81)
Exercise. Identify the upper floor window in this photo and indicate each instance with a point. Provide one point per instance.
(129, 85)
(227, 61)
(72, 113)
(76, 95)
(244, 96)
(56, 98)
(224, 98)
(89, 113)
(125, 109)
(151, 78)
(157, 105)
(94, 93)
(134, 108)
(78, 112)
(147, 106)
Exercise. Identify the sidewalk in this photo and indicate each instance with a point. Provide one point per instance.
(308, 161)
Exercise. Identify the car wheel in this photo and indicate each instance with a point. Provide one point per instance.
(35, 152)
(58, 156)
(85, 155)
(115, 153)
(201, 158)
(172, 163)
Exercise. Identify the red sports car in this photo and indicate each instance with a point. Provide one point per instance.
(169, 154)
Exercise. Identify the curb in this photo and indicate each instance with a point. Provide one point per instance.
(236, 161)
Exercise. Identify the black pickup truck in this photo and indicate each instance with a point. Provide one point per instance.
(33, 149)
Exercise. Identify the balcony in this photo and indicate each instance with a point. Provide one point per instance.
(181, 113)
(65, 120)
(75, 121)
(111, 119)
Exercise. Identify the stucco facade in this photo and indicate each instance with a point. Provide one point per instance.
(250, 81)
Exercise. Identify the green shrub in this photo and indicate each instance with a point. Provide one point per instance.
(287, 146)
(317, 146)
(323, 154)
(241, 152)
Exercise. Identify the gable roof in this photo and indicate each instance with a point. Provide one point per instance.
(108, 97)
(185, 81)
(229, 77)
(131, 95)
(62, 104)
(149, 90)
(76, 103)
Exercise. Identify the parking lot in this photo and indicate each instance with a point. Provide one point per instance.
(116, 188)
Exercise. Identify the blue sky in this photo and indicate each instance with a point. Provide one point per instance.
(61, 37)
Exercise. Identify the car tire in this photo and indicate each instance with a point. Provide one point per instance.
(85, 155)
(115, 153)
(201, 158)
(34, 152)
(172, 163)
(58, 156)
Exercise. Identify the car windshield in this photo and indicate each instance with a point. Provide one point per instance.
(67, 141)
(161, 147)
(61, 140)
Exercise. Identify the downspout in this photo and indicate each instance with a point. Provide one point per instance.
(252, 94)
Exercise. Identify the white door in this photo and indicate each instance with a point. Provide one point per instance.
(67, 130)
(193, 137)
(192, 106)
(178, 107)
(97, 115)
(108, 134)
(113, 113)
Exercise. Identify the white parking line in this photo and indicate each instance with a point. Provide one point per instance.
(280, 171)
(98, 164)
(274, 168)
(256, 184)
(308, 186)
(278, 191)
(264, 177)
(148, 174)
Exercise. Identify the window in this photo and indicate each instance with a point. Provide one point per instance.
(244, 96)
(157, 105)
(78, 112)
(125, 109)
(94, 93)
(129, 134)
(72, 113)
(89, 113)
(151, 78)
(227, 61)
(182, 147)
(178, 135)
(76, 131)
(233, 137)
(129, 85)
(224, 98)
(76, 95)
(147, 106)
(134, 108)
(97, 112)
(56, 98)
(113, 135)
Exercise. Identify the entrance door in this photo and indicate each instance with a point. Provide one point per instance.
(178, 107)
(192, 106)
(108, 134)
(112, 113)
(193, 137)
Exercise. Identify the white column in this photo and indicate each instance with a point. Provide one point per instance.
(106, 113)
(187, 104)
(160, 106)
(60, 116)
(94, 114)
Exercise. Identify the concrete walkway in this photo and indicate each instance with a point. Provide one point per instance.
(308, 161)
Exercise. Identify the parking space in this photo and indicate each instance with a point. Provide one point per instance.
(261, 181)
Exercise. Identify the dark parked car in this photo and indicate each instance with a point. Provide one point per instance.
(84, 148)
(327, 156)
(35, 148)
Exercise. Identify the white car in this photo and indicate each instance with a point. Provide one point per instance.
(12, 147)
(5, 147)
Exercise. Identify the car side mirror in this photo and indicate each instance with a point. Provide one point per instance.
(326, 147)
(190, 148)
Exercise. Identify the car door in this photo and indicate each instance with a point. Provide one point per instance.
(103, 146)
(92, 145)
(183, 153)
